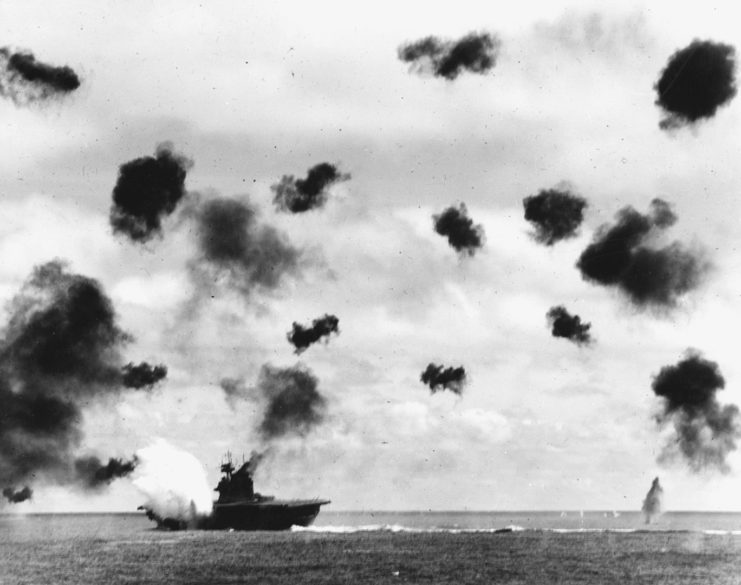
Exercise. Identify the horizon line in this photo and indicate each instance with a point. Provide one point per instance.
(409, 511)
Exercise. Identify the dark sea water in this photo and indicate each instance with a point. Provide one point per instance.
(359, 548)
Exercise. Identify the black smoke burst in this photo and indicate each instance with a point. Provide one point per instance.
(621, 256)
(439, 378)
(705, 432)
(298, 195)
(148, 190)
(25, 80)
(696, 81)
(463, 236)
(142, 375)
(60, 351)
(564, 324)
(475, 53)
(556, 214)
(301, 337)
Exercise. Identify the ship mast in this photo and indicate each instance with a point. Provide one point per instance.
(227, 468)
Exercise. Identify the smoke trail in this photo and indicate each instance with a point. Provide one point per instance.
(302, 337)
(652, 502)
(235, 248)
(704, 431)
(462, 234)
(92, 473)
(299, 195)
(568, 326)
(25, 80)
(696, 81)
(439, 378)
(17, 496)
(555, 213)
(173, 481)
(475, 52)
(256, 457)
(294, 404)
(142, 375)
(60, 351)
(618, 256)
(147, 190)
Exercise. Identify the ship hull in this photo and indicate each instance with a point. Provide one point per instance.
(247, 516)
(263, 516)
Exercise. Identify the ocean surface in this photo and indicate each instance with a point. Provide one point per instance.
(379, 547)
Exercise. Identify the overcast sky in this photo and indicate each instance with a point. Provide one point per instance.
(254, 91)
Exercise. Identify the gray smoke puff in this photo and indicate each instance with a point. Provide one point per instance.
(299, 195)
(16, 496)
(463, 236)
(294, 405)
(555, 213)
(302, 337)
(704, 431)
(92, 473)
(697, 81)
(147, 190)
(652, 502)
(563, 324)
(235, 247)
(60, 351)
(475, 52)
(619, 256)
(142, 375)
(234, 390)
(25, 80)
(63, 333)
(256, 457)
(439, 378)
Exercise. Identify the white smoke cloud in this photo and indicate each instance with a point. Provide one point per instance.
(174, 482)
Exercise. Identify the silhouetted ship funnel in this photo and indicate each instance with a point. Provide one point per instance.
(239, 507)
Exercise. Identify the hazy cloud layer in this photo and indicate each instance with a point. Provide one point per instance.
(599, 34)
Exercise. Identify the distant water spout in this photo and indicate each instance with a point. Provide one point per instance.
(652, 502)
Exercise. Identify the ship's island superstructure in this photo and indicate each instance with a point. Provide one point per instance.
(239, 507)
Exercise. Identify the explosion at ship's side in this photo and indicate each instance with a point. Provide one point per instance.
(239, 507)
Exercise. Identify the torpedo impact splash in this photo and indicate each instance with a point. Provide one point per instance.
(238, 507)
